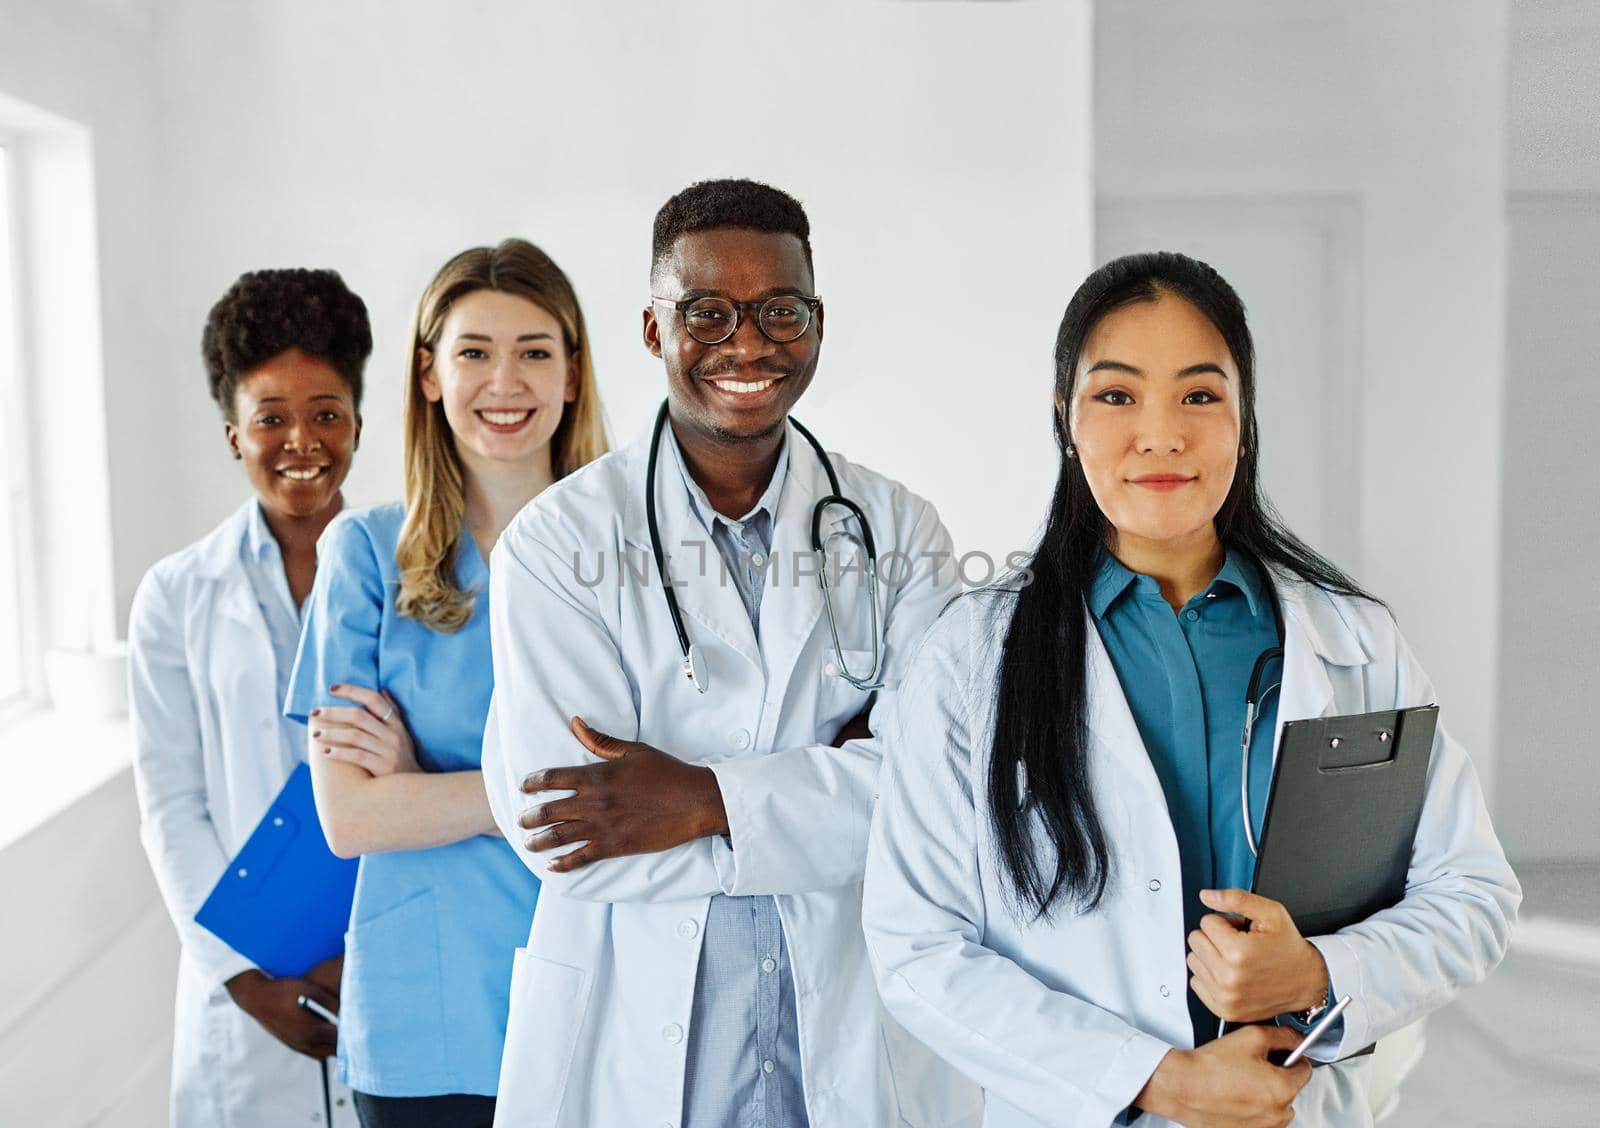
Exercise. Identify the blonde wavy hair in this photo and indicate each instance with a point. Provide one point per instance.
(434, 491)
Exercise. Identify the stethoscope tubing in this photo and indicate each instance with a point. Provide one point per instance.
(692, 668)
(1253, 696)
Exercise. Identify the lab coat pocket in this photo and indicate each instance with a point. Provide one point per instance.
(392, 997)
(548, 1001)
(926, 1092)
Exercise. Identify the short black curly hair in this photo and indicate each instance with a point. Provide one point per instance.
(267, 312)
(729, 203)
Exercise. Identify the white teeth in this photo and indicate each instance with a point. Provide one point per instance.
(741, 386)
(303, 475)
(504, 418)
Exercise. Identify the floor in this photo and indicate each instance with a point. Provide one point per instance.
(1522, 1050)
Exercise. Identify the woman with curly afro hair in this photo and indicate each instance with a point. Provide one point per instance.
(213, 636)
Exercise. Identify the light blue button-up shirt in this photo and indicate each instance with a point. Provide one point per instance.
(263, 567)
(743, 1068)
(1185, 674)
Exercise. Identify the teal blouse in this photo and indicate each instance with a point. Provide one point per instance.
(1185, 674)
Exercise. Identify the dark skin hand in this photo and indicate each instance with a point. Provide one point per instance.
(272, 1003)
(639, 800)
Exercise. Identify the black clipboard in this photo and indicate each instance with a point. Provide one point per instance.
(1342, 817)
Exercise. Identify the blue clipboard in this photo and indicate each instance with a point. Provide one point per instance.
(284, 900)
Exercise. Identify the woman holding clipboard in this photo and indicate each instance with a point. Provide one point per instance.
(1055, 885)
(212, 639)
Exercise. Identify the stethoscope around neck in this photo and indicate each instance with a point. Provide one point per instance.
(1254, 695)
(694, 667)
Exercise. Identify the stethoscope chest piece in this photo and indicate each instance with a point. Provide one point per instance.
(694, 668)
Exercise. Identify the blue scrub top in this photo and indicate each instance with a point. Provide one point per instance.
(427, 966)
(1185, 674)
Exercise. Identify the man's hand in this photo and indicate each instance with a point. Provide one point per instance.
(857, 727)
(1228, 1083)
(639, 801)
(1247, 976)
(272, 1003)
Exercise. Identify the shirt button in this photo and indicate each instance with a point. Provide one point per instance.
(1164, 991)
(769, 965)
(831, 669)
(687, 929)
(739, 738)
(672, 1033)
(1191, 614)
(758, 560)
(1155, 885)
(767, 1066)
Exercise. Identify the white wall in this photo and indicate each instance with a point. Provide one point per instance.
(94, 289)
(941, 151)
(1402, 108)
(1550, 782)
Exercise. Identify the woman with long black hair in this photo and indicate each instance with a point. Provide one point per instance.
(1055, 889)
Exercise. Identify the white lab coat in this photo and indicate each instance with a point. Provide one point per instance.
(1063, 1021)
(601, 996)
(208, 761)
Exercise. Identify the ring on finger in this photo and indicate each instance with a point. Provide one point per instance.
(386, 716)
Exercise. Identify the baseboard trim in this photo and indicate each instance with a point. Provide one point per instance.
(1552, 938)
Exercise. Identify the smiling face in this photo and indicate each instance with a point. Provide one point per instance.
(742, 389)
(1155, 420)
(295, 428)
(503, 373)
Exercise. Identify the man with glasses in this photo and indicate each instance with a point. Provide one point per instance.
(696, 957)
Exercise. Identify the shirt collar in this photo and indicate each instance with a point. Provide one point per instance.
(1111, 579)
(1238, 572)
(259, 542)
(707, 513)
(1114, 578)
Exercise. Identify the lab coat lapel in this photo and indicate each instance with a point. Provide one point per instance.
(1111, 720)
(1314, 637)
(220, 562)
(792, 602)
(707, 598)
(229, 627)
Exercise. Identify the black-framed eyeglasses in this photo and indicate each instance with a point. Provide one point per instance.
(712, 320)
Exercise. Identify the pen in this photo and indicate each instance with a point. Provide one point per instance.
(1317, 1031)
(318, 1009)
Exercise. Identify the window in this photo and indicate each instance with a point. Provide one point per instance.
(15, 632)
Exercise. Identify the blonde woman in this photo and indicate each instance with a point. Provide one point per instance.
(393, 680)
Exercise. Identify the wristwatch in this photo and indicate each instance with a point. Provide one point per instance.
(1309, 1015)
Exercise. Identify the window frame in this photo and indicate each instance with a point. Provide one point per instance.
(17, 474)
